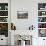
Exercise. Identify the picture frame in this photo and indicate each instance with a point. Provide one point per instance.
(22, 14)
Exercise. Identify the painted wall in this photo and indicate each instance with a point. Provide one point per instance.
(24, 5)
(23, 24)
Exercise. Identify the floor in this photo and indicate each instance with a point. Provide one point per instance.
(3, 45)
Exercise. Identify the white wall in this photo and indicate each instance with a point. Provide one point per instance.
(23, 24)
(24, 5)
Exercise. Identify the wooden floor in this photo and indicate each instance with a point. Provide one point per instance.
(3, 45)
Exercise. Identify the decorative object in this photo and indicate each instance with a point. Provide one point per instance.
(0, 7)
(42, 32)
(3, 13)
(42, 25)
(13, 27)
(43, 13)
(31, 27)
(41, 6)
(23, 40)
(4, 29)
(6, 7)
(3, 19)
(3, 6)
(41, 19)
(22, 14)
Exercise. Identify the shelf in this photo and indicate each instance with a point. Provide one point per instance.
(4, 19)
(42, 16)
(41, 22)
(41, 28)
(3, 16)
(3, 22)
(41, 10)
(3, 10)
(42, 19)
